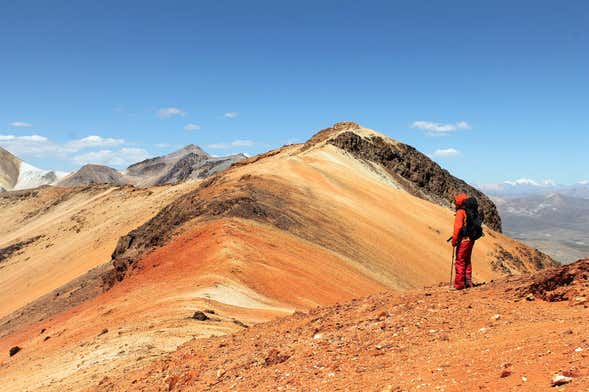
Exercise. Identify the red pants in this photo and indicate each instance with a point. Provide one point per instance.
(463, 265)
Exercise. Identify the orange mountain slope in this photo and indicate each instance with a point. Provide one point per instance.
(348, 214)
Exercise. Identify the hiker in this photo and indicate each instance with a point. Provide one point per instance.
(467, 229)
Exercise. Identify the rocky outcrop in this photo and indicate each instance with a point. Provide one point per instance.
(565, 283)
(414, 171)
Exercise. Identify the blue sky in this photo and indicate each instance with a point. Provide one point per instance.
(508, 80)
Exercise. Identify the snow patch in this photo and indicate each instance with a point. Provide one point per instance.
(32, 177)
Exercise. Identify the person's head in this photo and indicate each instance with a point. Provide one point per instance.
(459, 199)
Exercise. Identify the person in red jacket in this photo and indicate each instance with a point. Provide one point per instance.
(463, 246)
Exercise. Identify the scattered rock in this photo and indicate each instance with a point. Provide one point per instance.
(496, 317)
(104, 331)
(559, 379)
(210, 311)
(243, 325)
(200, 316)
(14, 350)
(506, 373)
(274, 358)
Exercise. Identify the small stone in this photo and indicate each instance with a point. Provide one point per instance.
(524, 379)
(103, 332)
(496, 317)
(579, 300)
(530, 297)
(318, 336)
(579, 349)
(559, 379)
(220, 373)
(14, 350)
(506, 373)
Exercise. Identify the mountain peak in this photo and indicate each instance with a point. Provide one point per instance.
(412, 170)
(188, 149)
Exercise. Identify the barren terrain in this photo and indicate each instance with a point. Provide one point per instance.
(349, 214)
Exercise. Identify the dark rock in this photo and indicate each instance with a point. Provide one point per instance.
(200, 316)
(243, 325)
(104, 331)
(14, 350)
(8, 251)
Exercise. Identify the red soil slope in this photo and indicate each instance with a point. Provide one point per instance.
(498, 337)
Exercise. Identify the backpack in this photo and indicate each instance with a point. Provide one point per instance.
(474, 221)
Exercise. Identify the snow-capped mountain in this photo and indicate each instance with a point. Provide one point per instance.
(16, 174)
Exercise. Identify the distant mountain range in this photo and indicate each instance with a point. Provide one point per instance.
(526, 187)
(555, 223)
(189, 162)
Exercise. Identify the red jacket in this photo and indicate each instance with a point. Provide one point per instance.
(460, 219)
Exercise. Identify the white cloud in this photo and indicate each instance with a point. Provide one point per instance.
(191, 127)
(162, 145)
(446, 152)
(94, 141)
(169, 112)
(233, 144)
(35, 145)
(20, 124)
(439, 129)
(231, 115)
(122, 157)
(583, 182)
(41, 147)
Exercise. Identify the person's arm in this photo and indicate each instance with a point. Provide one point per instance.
(458, 225)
